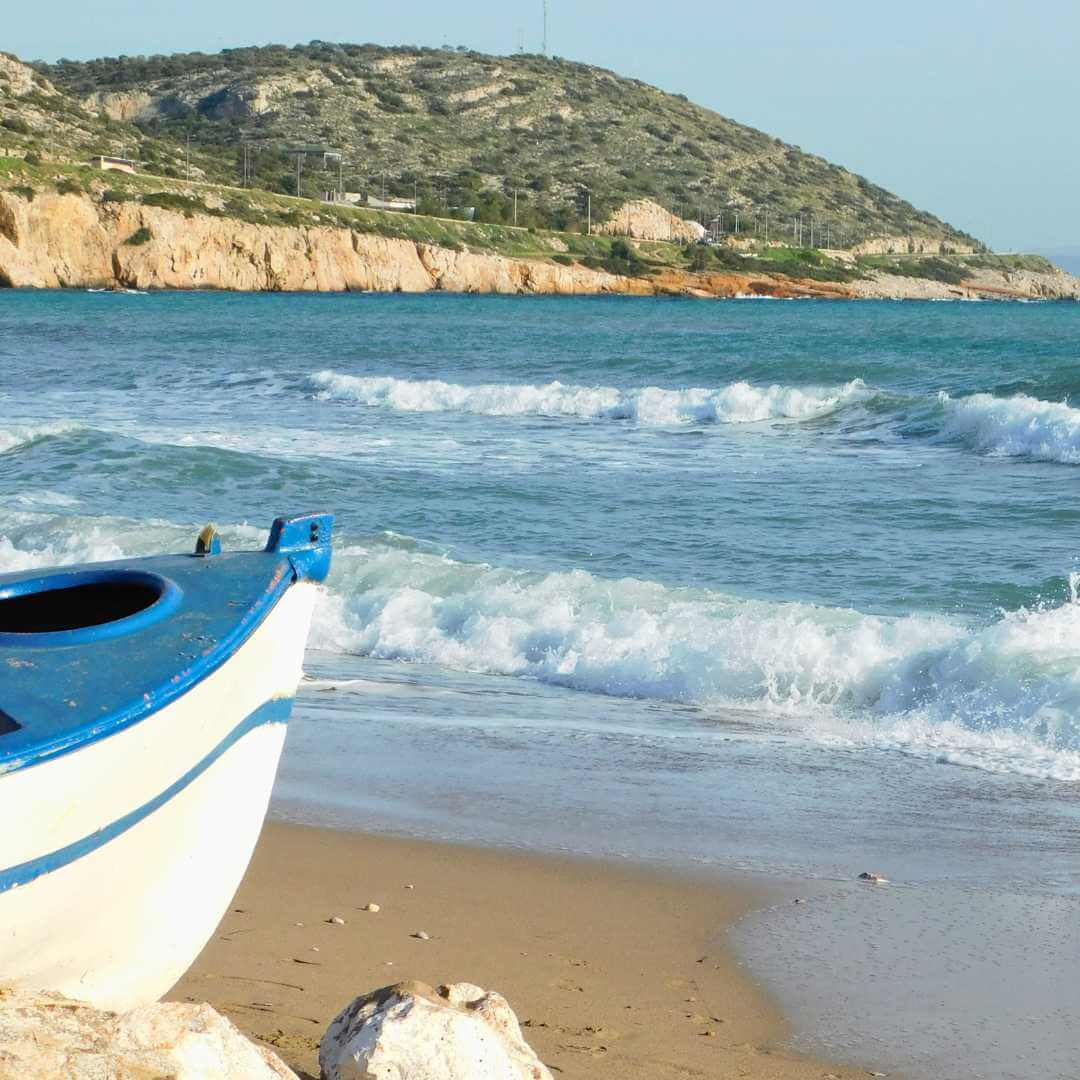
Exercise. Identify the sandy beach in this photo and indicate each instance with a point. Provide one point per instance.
(614, 971)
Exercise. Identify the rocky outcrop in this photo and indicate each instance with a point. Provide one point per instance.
(911, 245)
(124, 105)
(77, 241)
(19, 79)
(643, 219)
(458, 1032)
(982, 284)
(57, 241)
(48, 1035)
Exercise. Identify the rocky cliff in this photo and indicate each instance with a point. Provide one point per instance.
(54, 240)
(643, 219)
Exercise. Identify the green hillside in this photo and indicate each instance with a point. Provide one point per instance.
(460, 128)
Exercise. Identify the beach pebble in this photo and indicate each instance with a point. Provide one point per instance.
(373, 908)
(337, 920)
(422, 935)
(800, 900)
(314, 948)
(410, 886)
(412, 1030)
(874, 876)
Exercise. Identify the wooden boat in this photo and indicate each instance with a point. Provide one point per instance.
(144, 705)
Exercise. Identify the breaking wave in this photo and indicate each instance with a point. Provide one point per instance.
(23, 434)
(739, 402)
(1019, 426)
(1004, 696)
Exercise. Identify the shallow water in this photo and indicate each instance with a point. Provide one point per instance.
(778, 586)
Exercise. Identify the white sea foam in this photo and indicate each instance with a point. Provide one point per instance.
(1019, 426)
(739, 402)
(21, 434)
(1004, 696)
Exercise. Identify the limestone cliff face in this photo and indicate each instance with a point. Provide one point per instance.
(56, 241)
(911, 245)
(644, 219)
(75, 241)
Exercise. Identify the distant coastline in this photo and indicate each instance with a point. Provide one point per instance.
(75, 232)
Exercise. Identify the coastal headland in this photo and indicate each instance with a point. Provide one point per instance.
(356, 167)
(616, 971)
(56, 233)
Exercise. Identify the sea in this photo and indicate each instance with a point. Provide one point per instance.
(780, 589)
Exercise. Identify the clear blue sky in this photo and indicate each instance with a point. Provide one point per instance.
(965, 107)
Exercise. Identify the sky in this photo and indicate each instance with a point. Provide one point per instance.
(967, 108)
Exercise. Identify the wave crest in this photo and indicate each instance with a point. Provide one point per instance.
(23, 434)
(921, 679)
(1019, 426)
(739, 402)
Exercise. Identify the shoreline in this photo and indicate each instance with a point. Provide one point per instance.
(614, 971)
(54, 239)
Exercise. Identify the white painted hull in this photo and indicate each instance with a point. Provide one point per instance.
(181, 797)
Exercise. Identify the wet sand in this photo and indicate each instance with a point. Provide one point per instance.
(615, 971)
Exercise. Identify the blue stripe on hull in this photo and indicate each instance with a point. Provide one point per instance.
(273, 712)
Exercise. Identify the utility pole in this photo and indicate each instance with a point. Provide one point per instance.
(189, 155)
(515, 205)
(766, 225)
(544, 47)
(299, 168)
(414, 199)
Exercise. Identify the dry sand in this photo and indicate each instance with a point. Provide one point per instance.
(615, 971)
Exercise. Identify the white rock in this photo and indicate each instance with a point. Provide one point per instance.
(874, 877)
(48, 1035)
(373, 908)
(458, 1032)
(337, 920)
(422, 935)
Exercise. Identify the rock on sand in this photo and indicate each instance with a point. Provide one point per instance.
(45, 1034)
(458, 1032)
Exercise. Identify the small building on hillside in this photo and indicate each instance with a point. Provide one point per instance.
(350, 198)
(115, 164)
(401, 205)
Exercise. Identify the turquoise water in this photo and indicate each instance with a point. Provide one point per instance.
(778, 586)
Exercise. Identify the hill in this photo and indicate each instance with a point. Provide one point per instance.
(460, 128)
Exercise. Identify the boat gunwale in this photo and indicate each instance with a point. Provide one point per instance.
(303, 547)
(175, 686)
